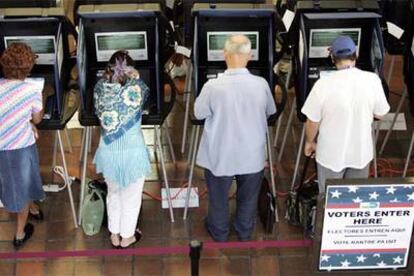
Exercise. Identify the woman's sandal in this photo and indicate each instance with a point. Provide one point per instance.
(115, 246)
(138, 236)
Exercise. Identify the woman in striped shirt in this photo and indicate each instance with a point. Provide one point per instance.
(20, 108)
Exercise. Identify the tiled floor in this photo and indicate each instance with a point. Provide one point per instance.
(57, 232)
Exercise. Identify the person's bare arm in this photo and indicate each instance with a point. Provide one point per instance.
(37, 117)
(311, 130)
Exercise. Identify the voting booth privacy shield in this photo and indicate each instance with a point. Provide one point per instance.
(48, 38)
(187, 13)
(105, 29)
(214, 24)
(318, 29)
(409, 61)
(78, 3)
(29, 3)
(399, 13)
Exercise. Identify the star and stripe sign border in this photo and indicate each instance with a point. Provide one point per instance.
(398, 193)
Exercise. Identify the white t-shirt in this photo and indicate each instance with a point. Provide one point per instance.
(344, 103)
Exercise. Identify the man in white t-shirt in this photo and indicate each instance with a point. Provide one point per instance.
(340, 110)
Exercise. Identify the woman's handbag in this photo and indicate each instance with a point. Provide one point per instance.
(93, 208)
(266, 207)
(301, 202)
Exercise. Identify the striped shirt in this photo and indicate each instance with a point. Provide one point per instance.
(18, 101)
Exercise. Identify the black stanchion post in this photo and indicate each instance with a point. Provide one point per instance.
(195, 253)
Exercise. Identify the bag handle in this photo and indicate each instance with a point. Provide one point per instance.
(305, 171)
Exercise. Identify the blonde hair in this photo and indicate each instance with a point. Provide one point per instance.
(238, 44)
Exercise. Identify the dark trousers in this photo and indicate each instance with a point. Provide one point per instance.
(248, 187)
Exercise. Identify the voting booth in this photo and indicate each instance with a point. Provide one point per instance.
(318, 24)
(78, 3)
(29, 3)
(139, 29)
(48, 38)
(317, 30)
(105, 29)
(213, 25)
(45, 29)
(188, 5)
(409, 81)
(397, 12)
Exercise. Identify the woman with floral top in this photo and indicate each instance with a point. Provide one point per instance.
(122, 156)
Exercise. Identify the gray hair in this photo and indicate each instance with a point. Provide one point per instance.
(238, 44)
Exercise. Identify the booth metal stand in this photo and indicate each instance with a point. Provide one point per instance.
(409, 78)
(50, 25)
(259, 21)
(401, 13)
(142, 20)
(187, 98)
(321, 18)
(194, 141)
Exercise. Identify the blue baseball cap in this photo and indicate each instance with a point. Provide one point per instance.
(342, 46)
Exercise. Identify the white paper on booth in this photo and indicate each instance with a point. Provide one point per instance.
(74, 122)
(394, 30)
(288, 19)
(183, 50)
(169, 4)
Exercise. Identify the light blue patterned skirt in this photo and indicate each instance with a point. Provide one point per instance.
(125, 160)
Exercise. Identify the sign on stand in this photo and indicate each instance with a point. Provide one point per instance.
(178, 197)
(366, 226)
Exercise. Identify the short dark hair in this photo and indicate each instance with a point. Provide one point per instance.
(352, 57)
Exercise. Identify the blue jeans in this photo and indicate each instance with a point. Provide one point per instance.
(248, 187)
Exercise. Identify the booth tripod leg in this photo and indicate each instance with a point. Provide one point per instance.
(272, 174)
(82, 143)
(87, 131)
(375, 134)
(170, 144)
(394, 119)
(289, 125)
(391, 70)
(298, 157)
(194, 142)
(164, 171)
(55, 146)
(90, 139)
(277, 132)
(68, 140)
(407, 160)
(191, 146)
(279, 121)
(187, 97)
(67, 179)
